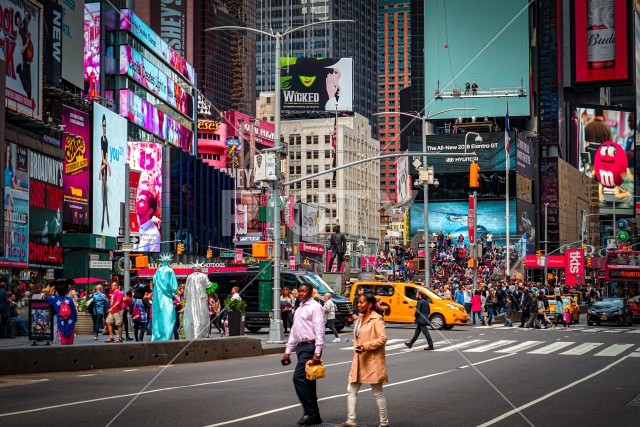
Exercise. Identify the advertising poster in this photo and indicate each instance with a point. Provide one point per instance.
(41, 320)
(241, 219)
(145, 161)
(134, 179)
(526, 220)
(16, 206)
(22, 47)
(314, 84)
(72, 41)
(403, 181)
(452, 217)
(92, 49)
(170, 21)
(52, 42)
(76, 166)
(600, 40)
(574, 266)
(45, 211)
(109, 157)
(525, 157)
(594, 126)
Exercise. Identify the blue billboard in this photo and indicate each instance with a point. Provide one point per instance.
(495, 58)
(451, 217)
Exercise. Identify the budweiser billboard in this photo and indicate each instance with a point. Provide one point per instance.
(574, 267)
(471, 220)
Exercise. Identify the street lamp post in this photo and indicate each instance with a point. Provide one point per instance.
(423, 119)
(546, 243)
(276, 334)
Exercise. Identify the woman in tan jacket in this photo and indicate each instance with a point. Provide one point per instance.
(369, 364)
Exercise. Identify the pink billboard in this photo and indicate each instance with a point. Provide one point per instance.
(574, 266)
(92, 50)
(145, 161)
(250, 129)
(76, 166)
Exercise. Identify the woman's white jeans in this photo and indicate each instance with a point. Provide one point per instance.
(352, 400)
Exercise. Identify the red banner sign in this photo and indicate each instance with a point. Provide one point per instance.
(312, 248)
(574, 266)
(471, 220)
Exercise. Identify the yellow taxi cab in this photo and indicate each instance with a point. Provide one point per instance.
(567, 302)
(398, 300)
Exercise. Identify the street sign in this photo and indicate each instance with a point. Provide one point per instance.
(100, 264)
(471, 220)
(132, 239)
(127, 248)
(227, 254)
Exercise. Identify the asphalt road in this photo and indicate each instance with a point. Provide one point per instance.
(493, 376)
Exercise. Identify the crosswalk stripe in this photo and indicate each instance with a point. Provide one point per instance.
(634, 331)
(591, 330)
(636, 353)
(582, 348)
(519, 347)
(460, 345)
(614, 350)
(615, 331)
(552, 347)
(490, 346)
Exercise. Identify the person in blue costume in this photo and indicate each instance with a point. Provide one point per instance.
(164, 314)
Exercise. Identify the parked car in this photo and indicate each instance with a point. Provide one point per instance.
(610, 310)
(398, 300)
(257, 314)
(635, 308)
(567, 302)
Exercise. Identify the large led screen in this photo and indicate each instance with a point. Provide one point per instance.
(109, 157)
(451, 217)
(16, 206)
(76, 166)
(600, 40)
(315, 84)
(45, 211)
(21, 45)
(145, 161)
(92, 49)
(594, 126)
(484, 42)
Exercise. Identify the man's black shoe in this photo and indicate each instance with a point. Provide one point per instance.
(429, 348)
(308, 420)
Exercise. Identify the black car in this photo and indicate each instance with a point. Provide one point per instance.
(257, 316)
(610, 310)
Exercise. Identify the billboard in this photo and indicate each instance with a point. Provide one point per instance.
(403, 181)
(72, 41)
(250, 128)
(601, 43)
(22, 48)
(109, 157)
(316, 84)
(592, 127)
(526, 222)
(574, 266)
(148, 117)
(92, 49)
(145, 162)
(170, 21)
(525, 156)
(52, 32)
(76, 166)
(133, 64)
(129, 21)
(45, 211)
(451, 217)
(16, 206)
(490, 153)
(497, 59)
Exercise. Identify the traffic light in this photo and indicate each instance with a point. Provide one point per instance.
(584, 247)
(472, 263)
(538, 254)
(589, 262)
(209, 253)
(474, 175)
(307, 262)
(524, 262)
(180, 248)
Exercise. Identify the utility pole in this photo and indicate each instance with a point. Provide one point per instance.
(546, 243)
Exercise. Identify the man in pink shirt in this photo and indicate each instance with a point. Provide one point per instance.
(307, 338)
(116, 310)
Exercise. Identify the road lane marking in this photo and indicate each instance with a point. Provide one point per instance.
(636, 353)
(614, 350)
(635, 331)
(460, 345)
(582, 348)
(551, 394)
(490, 346)
(336, 396)
(519, 347)
(129, 370)
(551, 347)
(615, 331)
(87, 375)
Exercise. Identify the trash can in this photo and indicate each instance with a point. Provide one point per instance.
(236, 323)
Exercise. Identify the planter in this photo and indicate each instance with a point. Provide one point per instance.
(84, 325)
(236, 323)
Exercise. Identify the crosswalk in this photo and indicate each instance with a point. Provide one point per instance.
(510, 346)
(573, 328)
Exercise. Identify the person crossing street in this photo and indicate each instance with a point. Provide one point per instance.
(422, 322)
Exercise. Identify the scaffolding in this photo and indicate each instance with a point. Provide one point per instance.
(461, 93)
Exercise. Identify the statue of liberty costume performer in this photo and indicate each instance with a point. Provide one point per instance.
(165, 286)
(196, 309)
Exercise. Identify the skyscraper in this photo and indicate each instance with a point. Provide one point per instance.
(355, 40)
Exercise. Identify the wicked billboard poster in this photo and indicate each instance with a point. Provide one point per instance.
(45, 211)
(77, 166)
(16, 206)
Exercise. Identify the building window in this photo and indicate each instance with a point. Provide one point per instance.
(316, 183)
(327, 183)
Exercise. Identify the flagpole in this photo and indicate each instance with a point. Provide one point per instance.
(507, 170)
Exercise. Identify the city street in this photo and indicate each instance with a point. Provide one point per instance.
(477, 376)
